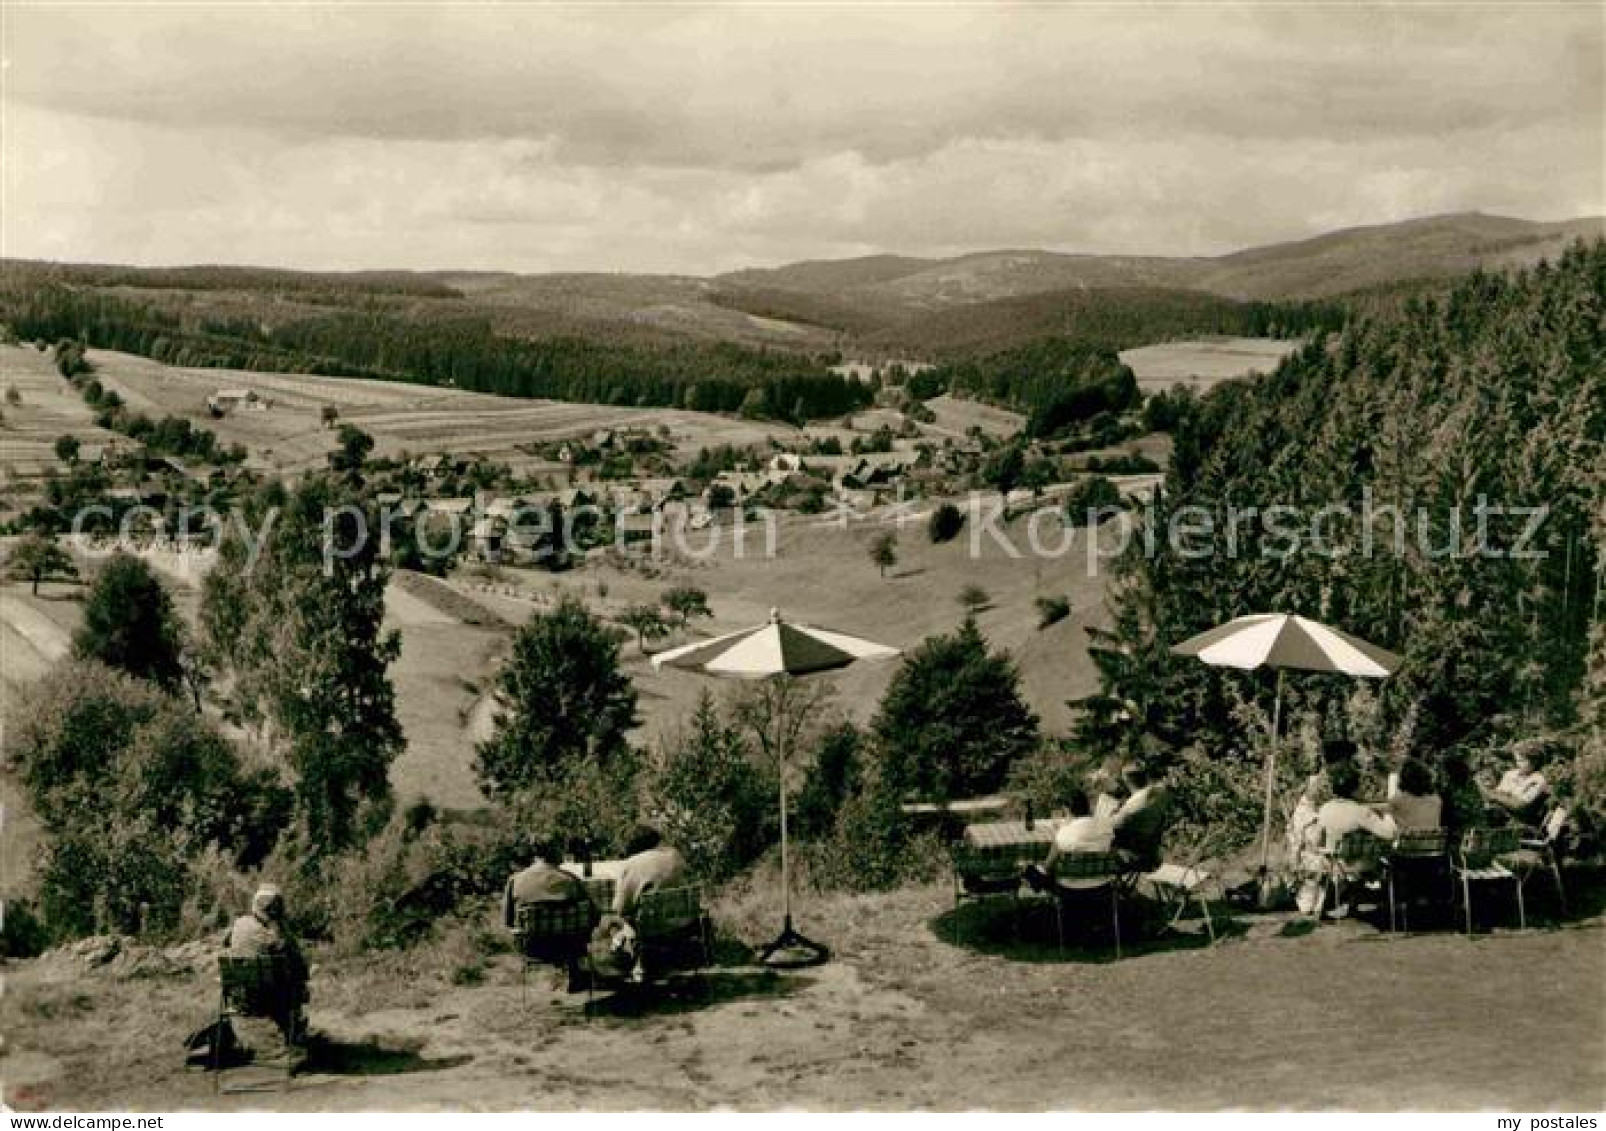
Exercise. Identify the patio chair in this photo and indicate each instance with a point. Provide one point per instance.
(1178, 885)
(1346, 864)
(260, 986)
(1076, 875)
(1539, 850)
(670, 925)
(1478, 862)
(672, 934)
(982, 872)
(551, 934)
(1419, 860)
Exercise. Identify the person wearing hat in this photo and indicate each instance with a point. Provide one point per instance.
(264, 934)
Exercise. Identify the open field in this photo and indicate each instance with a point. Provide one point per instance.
(50, 408)
(956, 416)
(821, 574)
(1205, 362)
(419, 419)
(921, 1007)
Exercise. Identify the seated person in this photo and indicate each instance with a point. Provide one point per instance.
(1412, 802)
(544, 882)
(1139, 825)
(264, 934)
(1343, 814)
(650, 864)
(1082, 833)
(1522, 792)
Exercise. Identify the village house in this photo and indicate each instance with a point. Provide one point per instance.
(225, 401)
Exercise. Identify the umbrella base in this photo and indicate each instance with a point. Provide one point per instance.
(791, 949)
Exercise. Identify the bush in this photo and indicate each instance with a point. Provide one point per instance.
(1052, 610)
(952, 720)
(134, 787)
(1093, 500)
(945, 523)
(830, 778)
(710, 797)
(22, 932)
(129, 623)
(564, 700)
(1046, 777)
(873, 846)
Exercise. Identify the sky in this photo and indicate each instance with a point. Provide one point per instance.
(693, 140)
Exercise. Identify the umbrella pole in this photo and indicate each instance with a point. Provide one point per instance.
(794, 948)
(786, 860)
(1271, 774)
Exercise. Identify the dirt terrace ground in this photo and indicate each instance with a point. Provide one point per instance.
(907, 1016)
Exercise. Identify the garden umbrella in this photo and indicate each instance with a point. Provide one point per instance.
(1285, 642)
(775, 650)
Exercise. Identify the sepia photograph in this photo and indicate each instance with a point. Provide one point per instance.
(802, 556)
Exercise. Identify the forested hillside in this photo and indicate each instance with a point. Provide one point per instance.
(1492, 396)
(438, 346)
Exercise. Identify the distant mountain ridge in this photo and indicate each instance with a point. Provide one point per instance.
(1318, 267)
(888, 304)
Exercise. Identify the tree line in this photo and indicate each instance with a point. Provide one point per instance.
(1488, 394)
(439, 348)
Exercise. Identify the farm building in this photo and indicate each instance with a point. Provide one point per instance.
(225, 401)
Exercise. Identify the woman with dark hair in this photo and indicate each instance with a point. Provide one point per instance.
(1412, 802)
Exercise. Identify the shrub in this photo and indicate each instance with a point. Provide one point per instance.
(830, 778)
(710, 797)
(1052, 610)
(563, 700)
(873, 846)
(22, 932)
(952, 721)
(129, 623)
(1093, 500)
(945, 523)
(134, 787)
(1046, 777)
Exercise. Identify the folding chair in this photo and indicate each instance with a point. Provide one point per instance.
(1076, 874)
(1346, 864)
(258, 986)
(1539, 850)
(551, 934)
(1418, 858)
(1478, 861)
(1177, 885)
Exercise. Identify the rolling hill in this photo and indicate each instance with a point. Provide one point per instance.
(877, 305)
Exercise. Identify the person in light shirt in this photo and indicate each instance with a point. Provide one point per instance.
(1082, 833)
(1522, 790)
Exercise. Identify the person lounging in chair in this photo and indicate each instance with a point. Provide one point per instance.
(1082, 833)
(1139, 824)
(1523, 791)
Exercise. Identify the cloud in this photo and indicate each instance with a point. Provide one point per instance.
(695, 140)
